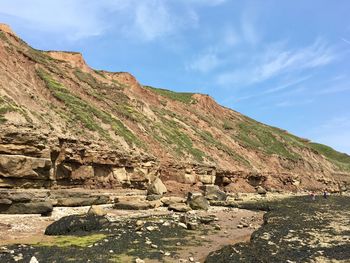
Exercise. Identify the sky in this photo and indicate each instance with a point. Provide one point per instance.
(283, 63)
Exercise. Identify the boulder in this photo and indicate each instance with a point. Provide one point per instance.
(133, 205)
(197, 201)
(5, 201)
(20, 166)
(213, 192)
(76, 224)
(76, 201)
(42, 208)
(260, 190)
(156, 187)
(96, 210)
(168, 200)
(179, 207)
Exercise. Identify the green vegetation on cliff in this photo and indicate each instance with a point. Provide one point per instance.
(86, 113)
(184, 97)
(342, 160)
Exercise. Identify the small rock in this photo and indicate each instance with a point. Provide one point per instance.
(192, 226)
(138, 260)
(150, 228)
(139, 223)
(33, 260)
(217, 227)
(239, 226)
(96, 210)
(167, 254)
(154, 246)
(182, 225)
(191, 259)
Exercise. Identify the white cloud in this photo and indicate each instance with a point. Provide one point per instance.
(292, 103)
(345, 40)
(72, 19)
(278, 60)
(143, 20)
(204, 62)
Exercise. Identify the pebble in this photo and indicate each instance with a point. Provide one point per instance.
(33, 260)
(191, 259)
(154, 246)
(182, 225)
(138, 260)
(150, 228)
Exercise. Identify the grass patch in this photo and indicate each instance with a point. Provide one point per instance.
(7, 105)
(171, 134)
(184, 97)
(208, 138)
(100, 90)
(255, 135)
(85, 113)
(342, 160)
(67, 241)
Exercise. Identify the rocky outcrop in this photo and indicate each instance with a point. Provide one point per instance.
(197, 201)
(30, 159)
(156, 188)
(74, 224)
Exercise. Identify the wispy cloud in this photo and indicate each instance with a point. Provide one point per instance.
(74, 20)
(204, 62)
(345, 40)
(249, 32)
(278, 60)
(292, 103)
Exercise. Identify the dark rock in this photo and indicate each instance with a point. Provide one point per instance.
(153, 197)
(76, 224)
(42, 208)
(206, 219)
(192, 226)
(197, 201)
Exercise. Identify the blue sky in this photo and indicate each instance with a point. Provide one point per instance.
(284, 63)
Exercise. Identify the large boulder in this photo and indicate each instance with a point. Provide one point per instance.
(197, 201)
(96, 210)
(134, 205)
(179, 207)
(156, 187)
(168, 200)
(76, 224)
(213, 192)
(20, 166)
(43, 208)
(82, 201)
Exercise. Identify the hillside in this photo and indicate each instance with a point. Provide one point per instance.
(64, 123)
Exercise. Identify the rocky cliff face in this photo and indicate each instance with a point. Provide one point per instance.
(65, 124)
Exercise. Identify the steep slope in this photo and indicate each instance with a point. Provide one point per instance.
(190, 136)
